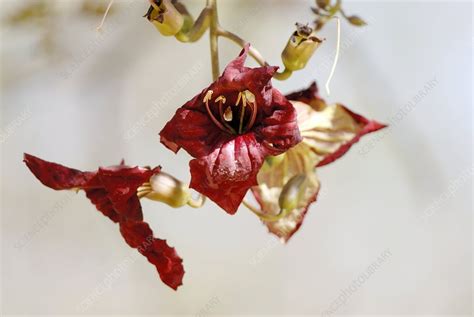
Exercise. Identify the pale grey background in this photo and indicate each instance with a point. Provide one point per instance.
(76, 106)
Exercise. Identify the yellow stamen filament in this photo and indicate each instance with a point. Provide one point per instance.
(206, 99)
(99, 28)
(242, 112)
(226, 116)
(238, 98)
(336, 57)
(221, 100)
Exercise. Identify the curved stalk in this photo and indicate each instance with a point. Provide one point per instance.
(198, 29)
(213, 38)
(254, 53)
(261, 215)
(197, 203)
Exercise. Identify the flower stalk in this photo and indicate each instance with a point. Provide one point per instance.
(213, 38)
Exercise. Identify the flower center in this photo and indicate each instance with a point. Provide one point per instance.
(232, 117)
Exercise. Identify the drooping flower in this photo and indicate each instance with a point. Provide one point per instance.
(288, 184)
(230, 128)
(115, 192)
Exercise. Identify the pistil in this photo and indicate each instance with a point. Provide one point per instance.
(244, 98)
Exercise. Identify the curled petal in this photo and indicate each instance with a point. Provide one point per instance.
(101, 201)
(329, 130)
(56, 176)
(113, 190)
(272, 181)
(279, 126)
(169, 265)
(238, 77)
(229, 171)
(191, 128)
(364, 127)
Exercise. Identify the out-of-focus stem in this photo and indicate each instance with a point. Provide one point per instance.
(254, 53)
(213, 38)
(198, 29)
(261, 215)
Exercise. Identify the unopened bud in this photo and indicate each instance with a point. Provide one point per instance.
(167, 189)
(292, 193)
(300, 47)
(165, 17)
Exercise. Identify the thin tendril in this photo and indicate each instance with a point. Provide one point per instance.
(336, 57)
(99, 28)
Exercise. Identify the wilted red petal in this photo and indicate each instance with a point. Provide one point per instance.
(113, 190)
(226, 163)
(169, 265)
(192, 129)
(121, 184)
(56, 176)
(279, 126)
(226, 174)
(99, 197)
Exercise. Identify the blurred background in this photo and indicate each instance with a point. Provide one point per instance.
(401, 199)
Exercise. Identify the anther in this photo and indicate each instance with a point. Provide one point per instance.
(208, 96)
(206, 99)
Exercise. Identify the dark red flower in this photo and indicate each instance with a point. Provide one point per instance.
(229, 129)
(113, 190)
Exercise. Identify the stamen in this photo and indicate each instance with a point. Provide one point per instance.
(253, 106)
(221, 110)
(222, 100)
(242, 111)
(238, 98)
(249, 96)
(206, 99)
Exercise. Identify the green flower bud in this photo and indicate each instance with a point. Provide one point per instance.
(292, 193)
(300, 47)
(165, 17)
